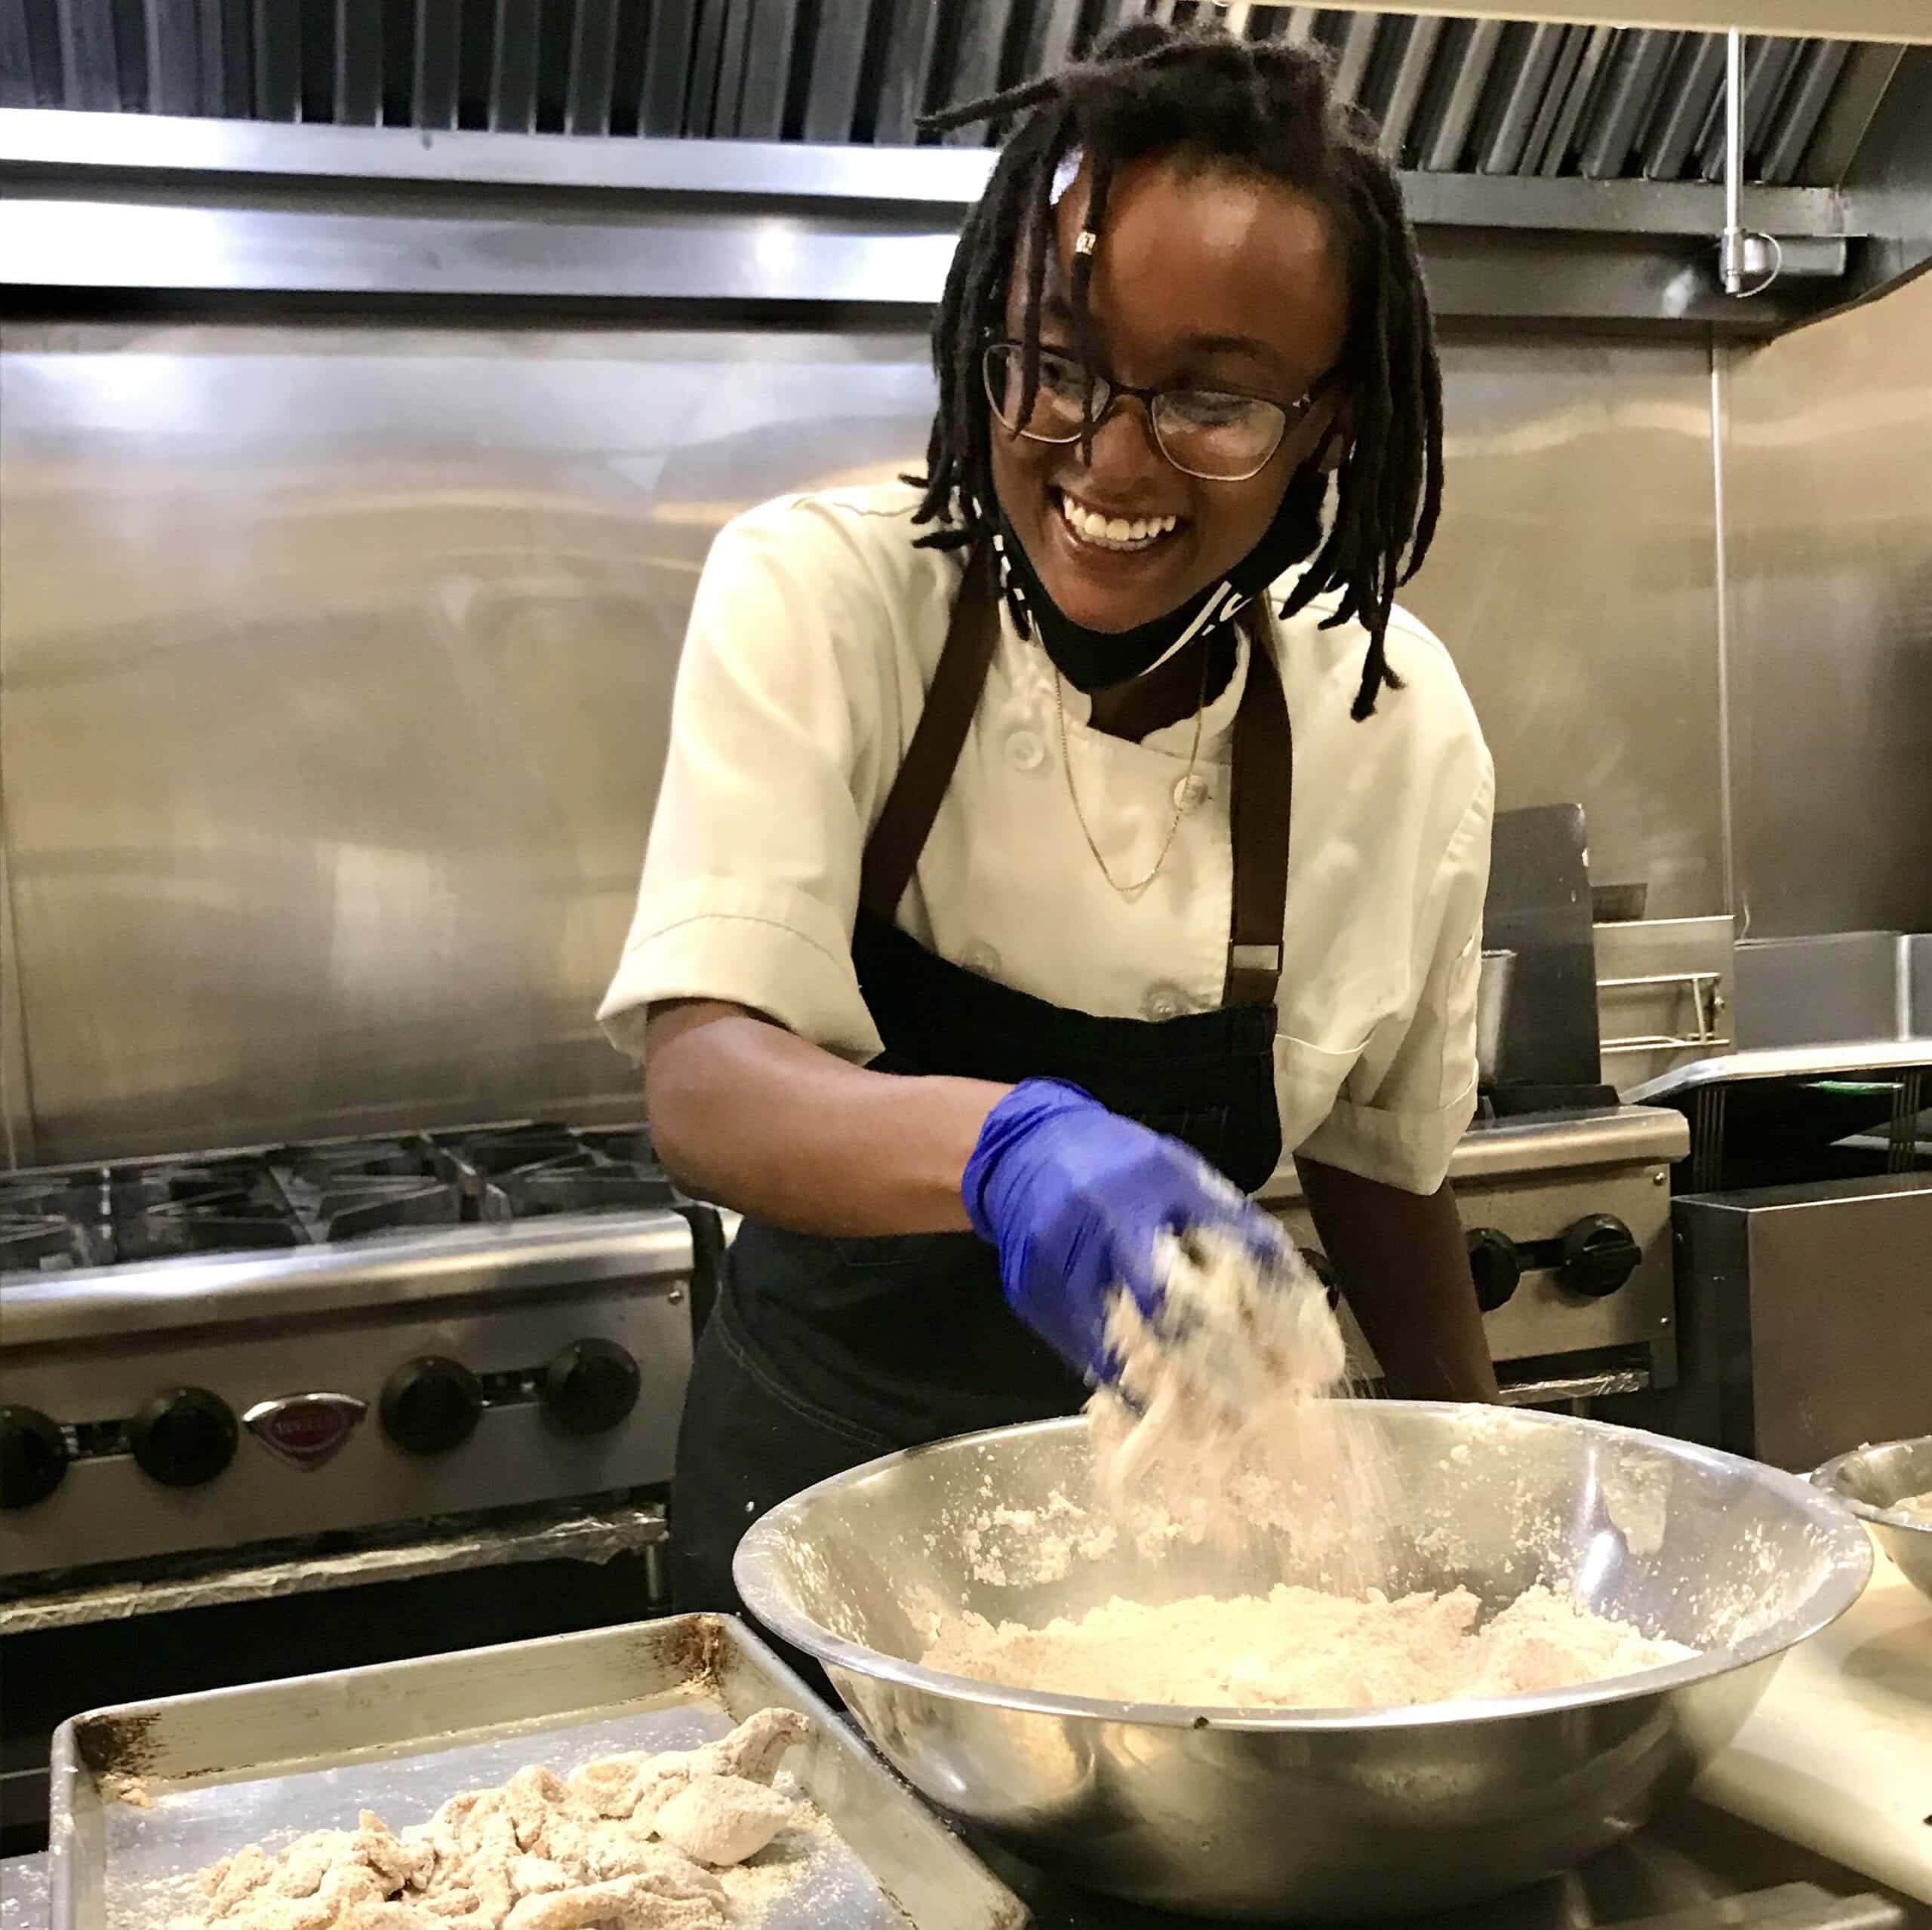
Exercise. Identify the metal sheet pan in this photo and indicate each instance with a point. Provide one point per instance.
(266, 1762)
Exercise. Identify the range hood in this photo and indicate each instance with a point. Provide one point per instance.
(1521, 139)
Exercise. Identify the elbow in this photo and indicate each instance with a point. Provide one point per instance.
(682, 1093)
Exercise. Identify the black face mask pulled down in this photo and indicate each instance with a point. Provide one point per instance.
(1093, 660)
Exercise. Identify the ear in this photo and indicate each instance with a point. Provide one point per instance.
(1338, 435)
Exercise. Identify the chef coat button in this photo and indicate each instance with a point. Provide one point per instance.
(1191, 792)
(980, 958)
(1165, 1002)
(1025, 749)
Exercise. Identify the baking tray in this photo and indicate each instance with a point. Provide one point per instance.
(264, 1763)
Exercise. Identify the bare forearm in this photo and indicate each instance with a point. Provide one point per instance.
(1405, 1265)
(746, 1113)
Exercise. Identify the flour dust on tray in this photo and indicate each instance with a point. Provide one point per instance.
(629, 1842)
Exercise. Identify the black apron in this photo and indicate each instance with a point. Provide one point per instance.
(824, 1353)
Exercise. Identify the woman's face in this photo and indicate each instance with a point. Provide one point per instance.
(1203, 278)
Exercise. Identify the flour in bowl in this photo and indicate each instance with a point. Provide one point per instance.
(1298, 1648)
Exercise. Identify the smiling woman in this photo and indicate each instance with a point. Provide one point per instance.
(969, 958)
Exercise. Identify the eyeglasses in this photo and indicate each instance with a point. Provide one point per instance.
(1217, 434)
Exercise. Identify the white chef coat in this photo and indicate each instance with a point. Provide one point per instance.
(813, 635)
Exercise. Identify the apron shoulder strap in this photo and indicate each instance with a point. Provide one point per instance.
(1258, 808)
(1258, 818)
(892, 851)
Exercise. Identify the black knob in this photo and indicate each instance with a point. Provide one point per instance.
(1496, 1265)
(1599, 1255)
(33, 1456)
(431, 1405)
(589, 1386)
(183, 1437)
(1323, 1268)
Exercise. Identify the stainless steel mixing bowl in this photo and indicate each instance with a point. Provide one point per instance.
(1310, 1814)
(1871, 1481)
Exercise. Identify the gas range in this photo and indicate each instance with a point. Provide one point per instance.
(209, 1351)
(1565, 1202)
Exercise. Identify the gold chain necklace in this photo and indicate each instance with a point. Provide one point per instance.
(1182, 791)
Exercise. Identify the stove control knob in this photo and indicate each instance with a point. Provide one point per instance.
(589, 1386)
(1599, 1254)
(183, 1437)
(1496, 1265)
(431, 1405)
(33, 1456)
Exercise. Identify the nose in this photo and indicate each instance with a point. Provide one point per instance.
(1124, 452)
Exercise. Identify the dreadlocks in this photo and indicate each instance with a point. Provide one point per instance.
(1265, 108)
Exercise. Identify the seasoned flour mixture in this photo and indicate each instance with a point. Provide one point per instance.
(1915, 1508)
(1296, 1647)
(631, 1842)
(1226, 1429)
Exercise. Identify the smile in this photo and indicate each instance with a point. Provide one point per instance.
(1091, 529)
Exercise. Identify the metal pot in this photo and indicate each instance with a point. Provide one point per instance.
(1499, 973)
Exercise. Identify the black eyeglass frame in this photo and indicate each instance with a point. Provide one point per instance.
(1111, 393)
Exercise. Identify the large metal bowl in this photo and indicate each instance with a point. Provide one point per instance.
(1871, 1481)
(1313, 1813)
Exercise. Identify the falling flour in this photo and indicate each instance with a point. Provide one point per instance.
(629, 1842)
(1298, 1648)
(1226, 1419)
(1226, 1425)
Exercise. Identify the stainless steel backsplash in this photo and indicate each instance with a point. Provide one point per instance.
(336, 662)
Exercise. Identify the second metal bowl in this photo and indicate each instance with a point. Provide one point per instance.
(1871, 1481)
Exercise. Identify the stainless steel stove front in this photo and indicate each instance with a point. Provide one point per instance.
(202, 1403)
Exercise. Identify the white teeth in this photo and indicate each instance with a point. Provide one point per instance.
(1113, 532)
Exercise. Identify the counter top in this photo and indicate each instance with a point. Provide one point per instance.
(1703, 1868)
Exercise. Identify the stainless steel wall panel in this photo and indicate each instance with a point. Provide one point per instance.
(336, 820)
(338, 817)
(1828, 478)
(1574, 582)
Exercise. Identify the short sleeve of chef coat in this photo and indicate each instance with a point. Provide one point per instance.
(1410, 1092)
(751, 878)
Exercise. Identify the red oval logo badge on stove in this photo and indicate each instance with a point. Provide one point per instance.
(305, 1429)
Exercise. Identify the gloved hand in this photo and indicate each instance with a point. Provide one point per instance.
(1073, 1196)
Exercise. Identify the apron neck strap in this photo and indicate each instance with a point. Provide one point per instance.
(1258, 806)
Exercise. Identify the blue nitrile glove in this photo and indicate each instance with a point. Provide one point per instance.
(1073, 1197)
